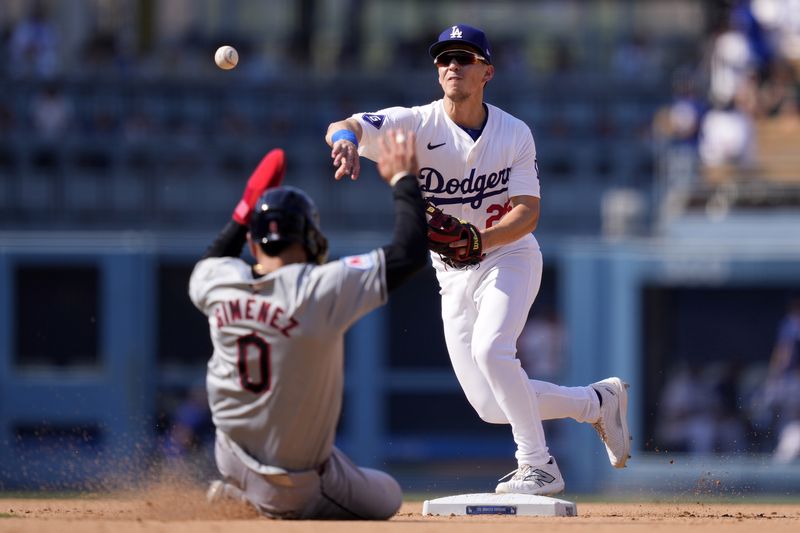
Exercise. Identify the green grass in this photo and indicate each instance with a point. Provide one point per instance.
(6, 515)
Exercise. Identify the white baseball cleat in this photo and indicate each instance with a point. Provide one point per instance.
(539, 480)
(612, 426)
(218, 490)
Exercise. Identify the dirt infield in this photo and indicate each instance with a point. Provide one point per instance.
(187, 512)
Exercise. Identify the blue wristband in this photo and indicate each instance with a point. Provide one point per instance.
(346, 135)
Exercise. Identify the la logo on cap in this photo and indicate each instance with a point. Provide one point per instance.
(456, 33)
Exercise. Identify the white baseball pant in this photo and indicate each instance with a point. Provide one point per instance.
(484, 309)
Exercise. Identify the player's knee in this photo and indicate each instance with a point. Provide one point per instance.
(389, 502)
(493, 417)
(481, 353)
(489, 411)
(393, 501)
(489, 352)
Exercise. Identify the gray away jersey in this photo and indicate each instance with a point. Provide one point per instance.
(275, 379)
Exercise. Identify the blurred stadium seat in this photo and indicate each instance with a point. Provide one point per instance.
(144, 153)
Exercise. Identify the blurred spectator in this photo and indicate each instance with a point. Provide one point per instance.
(34, 46)
(782, 401)
(745, 22)
(786, 353)
(788, 449)
(694, 416)
(727, 134)
(778, 95)
(731, 429)
(781, 20)
(623, 212)
(731, 64)
(677, 127)
(779, 401)
(541, 346)
(680, 121)
(51, 113)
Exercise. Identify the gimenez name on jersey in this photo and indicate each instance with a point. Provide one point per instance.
(251, 311)
(472, 189)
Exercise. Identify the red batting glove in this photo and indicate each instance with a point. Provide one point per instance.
(268, 174)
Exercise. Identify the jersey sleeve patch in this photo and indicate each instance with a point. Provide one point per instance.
(359, 262)
(373, 119)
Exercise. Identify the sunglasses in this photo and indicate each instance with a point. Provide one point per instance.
(462, 57)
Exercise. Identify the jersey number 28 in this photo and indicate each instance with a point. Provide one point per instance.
(497, 211)
(254, 363)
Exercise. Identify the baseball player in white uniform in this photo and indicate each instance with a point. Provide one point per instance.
(275, 379)
(478, 163)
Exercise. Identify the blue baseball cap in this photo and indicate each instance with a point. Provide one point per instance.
(462, 33)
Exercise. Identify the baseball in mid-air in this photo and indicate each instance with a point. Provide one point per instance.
(226, 57)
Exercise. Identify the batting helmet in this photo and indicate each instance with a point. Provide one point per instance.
(284, 215)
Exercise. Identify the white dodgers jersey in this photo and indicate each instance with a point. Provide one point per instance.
(275, 379)
(471, 180)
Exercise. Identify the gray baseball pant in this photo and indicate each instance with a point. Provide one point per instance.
(336, 490)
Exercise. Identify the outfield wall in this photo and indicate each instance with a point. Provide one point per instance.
(66, 424)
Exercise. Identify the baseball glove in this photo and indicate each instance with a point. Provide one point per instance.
(456, 241)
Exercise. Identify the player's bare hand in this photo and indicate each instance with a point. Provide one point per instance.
(398, 154)
(345, 159)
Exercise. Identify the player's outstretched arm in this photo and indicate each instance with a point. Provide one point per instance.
(343, 138)
(268, 174)
(408, 251)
